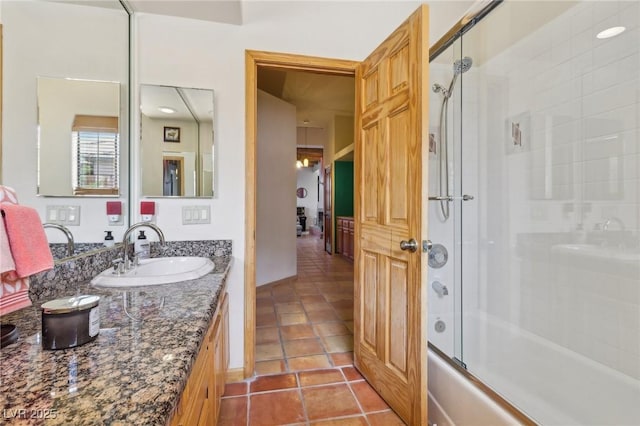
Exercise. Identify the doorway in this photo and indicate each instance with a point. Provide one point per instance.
(255, 59)
(172, 176)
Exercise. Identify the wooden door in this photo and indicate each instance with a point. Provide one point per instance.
(328, 215)
(390, 341)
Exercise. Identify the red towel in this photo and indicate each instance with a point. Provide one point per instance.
(27, 240)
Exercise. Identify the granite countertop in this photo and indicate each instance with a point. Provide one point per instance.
(132, 374)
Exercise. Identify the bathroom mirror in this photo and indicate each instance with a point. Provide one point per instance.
(78, 138)
(176, 141)
(80, 44)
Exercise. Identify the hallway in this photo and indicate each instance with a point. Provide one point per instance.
(304, 352)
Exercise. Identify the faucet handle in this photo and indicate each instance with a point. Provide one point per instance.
(118, 266)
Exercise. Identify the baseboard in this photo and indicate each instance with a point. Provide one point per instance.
(234, 375)
(281, 281)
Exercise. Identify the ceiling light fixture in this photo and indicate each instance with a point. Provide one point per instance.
(610, 32)
(166, 110)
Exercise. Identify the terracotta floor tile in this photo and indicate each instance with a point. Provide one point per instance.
(276, 408)
(308, 362)
(282, 288)
(323, 316)
(233, 411)
(289, 308)
(270, 367)
(339, 359)
(267, 335)
(285, 297)
(348, 421)
(316, 306)
(336, 328)
(307, 291)
(320, 377)
(266, 320)
(290, 319)
(313, 299)
(342, 303)
(298, 331)
(339, 298)
(388, 418)
(351, 374)
(345, 314)
(275, 382)
(325, 402)
(302, 347)
(260, 310)
(335, 344)
(368, 397)
(268, 351)
(349, 325)
(235, 389)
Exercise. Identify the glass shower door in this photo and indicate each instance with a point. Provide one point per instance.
(444, 215)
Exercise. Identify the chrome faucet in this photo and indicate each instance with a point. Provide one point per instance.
(66, 232)
(127, 233)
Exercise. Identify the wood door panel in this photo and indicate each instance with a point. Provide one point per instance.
(399, 69)
(369, 301)
(398, 125)
(371, 89)
(390, 300)
(370, 155)
(397, 321)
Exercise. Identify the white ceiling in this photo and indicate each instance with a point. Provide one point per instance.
(317, 97)
(225, 11)
(200, 102)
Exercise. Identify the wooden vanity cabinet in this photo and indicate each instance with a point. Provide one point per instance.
(200, 401)
(345, 236)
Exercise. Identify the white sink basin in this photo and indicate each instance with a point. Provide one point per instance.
(159, 270)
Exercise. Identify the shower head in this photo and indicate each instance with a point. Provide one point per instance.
(462, 65)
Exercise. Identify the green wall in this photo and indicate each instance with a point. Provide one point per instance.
(343, 188)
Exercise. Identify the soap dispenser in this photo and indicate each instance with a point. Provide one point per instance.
(108, 240)
(142, 247)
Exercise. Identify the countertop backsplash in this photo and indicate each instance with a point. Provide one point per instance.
(68, 274)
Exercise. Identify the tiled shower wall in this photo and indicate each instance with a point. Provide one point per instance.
(576, 101)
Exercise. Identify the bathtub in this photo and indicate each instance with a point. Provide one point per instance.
(550, 384)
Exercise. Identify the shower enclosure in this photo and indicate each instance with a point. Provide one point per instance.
(535, 208)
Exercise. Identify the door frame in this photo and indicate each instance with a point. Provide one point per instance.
(254, 59)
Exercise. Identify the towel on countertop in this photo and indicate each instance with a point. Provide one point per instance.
(27, 240)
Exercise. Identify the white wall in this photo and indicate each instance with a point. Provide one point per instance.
(58, 40)
(213, 57)
(276, 177)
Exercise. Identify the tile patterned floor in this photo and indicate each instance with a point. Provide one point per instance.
(304, 353)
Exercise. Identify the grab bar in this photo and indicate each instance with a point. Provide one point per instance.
(451, 198)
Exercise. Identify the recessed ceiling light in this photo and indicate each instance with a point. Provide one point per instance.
(611, 32)
(167, 110)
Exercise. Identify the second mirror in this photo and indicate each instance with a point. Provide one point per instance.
(176, 141)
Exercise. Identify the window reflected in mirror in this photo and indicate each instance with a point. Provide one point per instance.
(176, 141)
(78, 137)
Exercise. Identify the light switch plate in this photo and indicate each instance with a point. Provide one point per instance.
(64, 215)
(196, 215)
